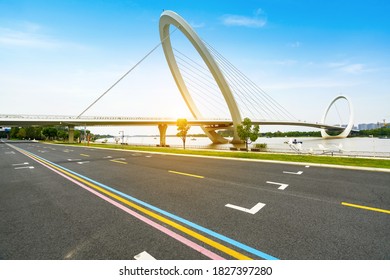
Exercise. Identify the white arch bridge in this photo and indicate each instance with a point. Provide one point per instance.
(214, 83)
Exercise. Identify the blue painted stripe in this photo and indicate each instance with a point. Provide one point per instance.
(177, 218)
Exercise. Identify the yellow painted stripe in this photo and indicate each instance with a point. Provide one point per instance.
(118, 161)
(186, 174)
(366, 207)
(162, 219)
(84, 155)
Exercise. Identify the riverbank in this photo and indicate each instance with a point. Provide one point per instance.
(353, 147)
(295, 158)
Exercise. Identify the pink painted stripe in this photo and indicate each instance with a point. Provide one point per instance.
(174, 235)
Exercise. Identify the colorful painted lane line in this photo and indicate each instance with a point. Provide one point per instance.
(365, 207)
(100, 189)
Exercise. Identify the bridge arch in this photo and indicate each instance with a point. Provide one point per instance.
(171, 18)
(349, 127)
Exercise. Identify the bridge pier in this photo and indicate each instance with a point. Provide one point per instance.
(163, 134)
(71, 133)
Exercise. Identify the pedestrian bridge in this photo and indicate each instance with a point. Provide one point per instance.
(162, 123)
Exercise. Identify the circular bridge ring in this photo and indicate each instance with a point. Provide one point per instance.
(171, 18)
(349, 127)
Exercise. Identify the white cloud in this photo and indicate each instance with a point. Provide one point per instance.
(31, 35)
(257, 21)
(18, 38)
(296, 44)
(286, 62)
(346, 67)
(198, 25)
(353, 68)
(311, 84)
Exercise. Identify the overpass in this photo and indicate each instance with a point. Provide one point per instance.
(162, 123)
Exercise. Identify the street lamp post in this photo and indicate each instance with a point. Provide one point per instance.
(123, 136)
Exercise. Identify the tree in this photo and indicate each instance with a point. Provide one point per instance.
(21, 133)
(182, 127)
(49, 132)
(248, 132)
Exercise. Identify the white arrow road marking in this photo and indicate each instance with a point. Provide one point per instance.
(82, 162)
(16, 164)
(295, 173)
(252, 211)
(29, 167)
(281, 185)
(144, 256)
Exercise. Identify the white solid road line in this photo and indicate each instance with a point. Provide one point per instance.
(24, 167)
(17, 164)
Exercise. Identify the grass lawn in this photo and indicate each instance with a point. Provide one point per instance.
(336, 160)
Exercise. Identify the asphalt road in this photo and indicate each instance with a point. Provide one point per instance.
(62, 202)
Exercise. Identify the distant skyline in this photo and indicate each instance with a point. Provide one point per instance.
(57, 57)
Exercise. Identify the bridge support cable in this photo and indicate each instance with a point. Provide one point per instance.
(128, 72)
(200, 74)
(257, 96)
(261, 98)
(212, 81)
(338, 113)
(192, 76)
(200, 83)
(249, 99)
(249, 95)
(252, 87)
(204, 100)
(197, 67)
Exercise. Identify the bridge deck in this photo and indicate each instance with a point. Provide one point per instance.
(29, 120)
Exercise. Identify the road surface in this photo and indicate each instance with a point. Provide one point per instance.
(64, 202)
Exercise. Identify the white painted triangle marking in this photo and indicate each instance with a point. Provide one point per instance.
(295, 173)
(144, 256)
(252, 211)
(281, 185)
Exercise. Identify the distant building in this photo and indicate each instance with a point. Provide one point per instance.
(370, 126)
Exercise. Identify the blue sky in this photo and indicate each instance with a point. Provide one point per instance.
(57, 57)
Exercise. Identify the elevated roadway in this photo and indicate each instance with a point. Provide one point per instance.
(47, 120)
(162, 123)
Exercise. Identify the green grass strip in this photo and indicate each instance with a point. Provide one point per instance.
(323, 159)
